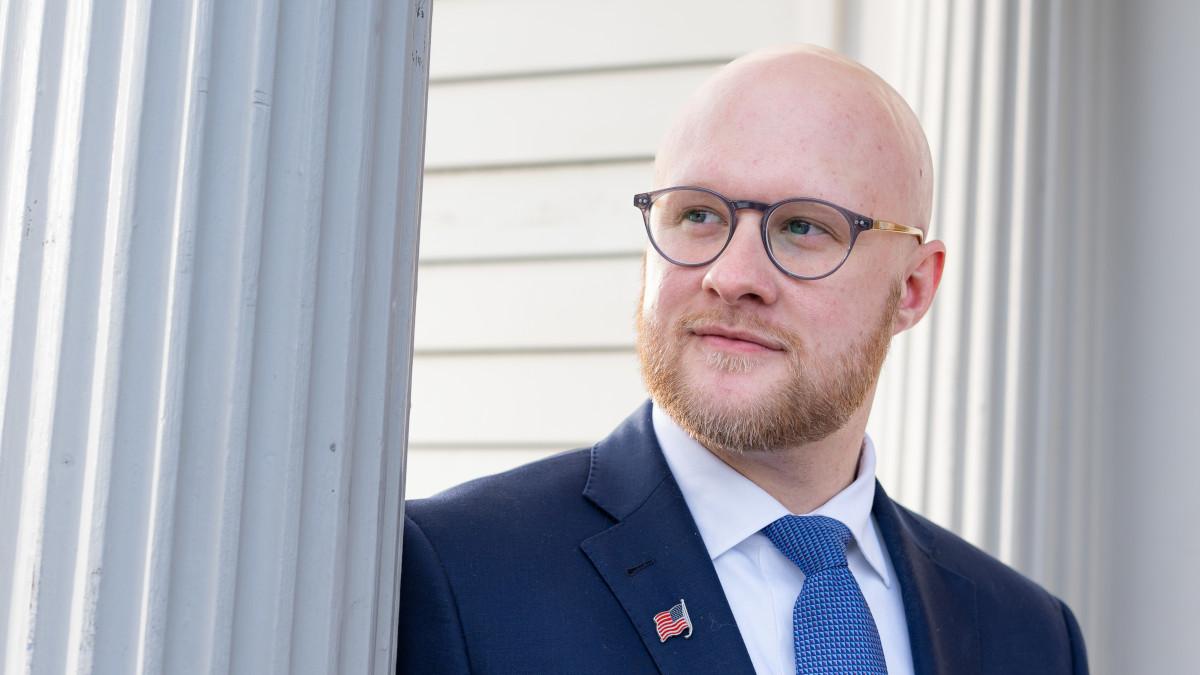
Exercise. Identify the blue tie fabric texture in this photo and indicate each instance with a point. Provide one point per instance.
(832, 626)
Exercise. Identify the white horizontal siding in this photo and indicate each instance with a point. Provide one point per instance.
(535, 400)
(569, 304)
(568, 211)
(485, 38)
(558, 119)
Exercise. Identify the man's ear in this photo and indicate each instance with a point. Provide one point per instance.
(919, 285)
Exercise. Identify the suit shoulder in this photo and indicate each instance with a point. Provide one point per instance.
(523, 521)
(993, 578)
(1019, 621)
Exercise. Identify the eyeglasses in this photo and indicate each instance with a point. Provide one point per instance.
(805, 238)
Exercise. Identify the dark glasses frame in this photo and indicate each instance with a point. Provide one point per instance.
(858, 224)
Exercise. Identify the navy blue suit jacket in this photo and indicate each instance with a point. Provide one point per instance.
(560, 565)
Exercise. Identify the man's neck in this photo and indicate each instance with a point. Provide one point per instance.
(805, 477)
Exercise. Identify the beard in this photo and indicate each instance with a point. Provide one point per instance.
(814, 399)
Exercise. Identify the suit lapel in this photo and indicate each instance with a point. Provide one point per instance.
(653, 556)
(939, 604)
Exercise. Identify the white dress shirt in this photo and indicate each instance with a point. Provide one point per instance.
(760, 583)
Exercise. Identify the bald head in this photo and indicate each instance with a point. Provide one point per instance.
(802, 122)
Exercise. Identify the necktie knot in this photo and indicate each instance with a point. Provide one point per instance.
(813, 543)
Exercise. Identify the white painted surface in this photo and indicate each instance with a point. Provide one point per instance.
(484, 38)
(1152, 368)
(523, 306)
(601, 116)
(534, 212)
(521, 400)
(208, 252)
(202, 291)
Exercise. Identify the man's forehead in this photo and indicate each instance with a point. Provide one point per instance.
(801, 68)
(786, 92)
(800, 121)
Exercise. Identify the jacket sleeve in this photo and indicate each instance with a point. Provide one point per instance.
(1078, 651)
(431, 636)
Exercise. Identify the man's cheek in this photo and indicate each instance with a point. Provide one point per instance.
(654, 291)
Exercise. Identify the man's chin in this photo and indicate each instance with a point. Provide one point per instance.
(735, 376)
(730, 395)
(720, 422)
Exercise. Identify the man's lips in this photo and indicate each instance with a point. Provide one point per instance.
(736, 340)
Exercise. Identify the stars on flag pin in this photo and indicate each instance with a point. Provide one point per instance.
(672, 622)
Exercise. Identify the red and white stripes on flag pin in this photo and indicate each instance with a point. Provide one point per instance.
(672, 622)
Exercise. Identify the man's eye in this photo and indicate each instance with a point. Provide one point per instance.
(701, 216)
(802, 227)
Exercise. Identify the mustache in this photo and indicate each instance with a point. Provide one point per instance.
(740, 321)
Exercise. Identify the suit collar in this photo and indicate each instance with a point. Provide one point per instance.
(729, 508)
(626, 467)
(653, 555)
(939, 604)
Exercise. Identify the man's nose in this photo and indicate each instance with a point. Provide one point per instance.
(743, 272)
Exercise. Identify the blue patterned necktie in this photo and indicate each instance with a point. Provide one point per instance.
(831, 624)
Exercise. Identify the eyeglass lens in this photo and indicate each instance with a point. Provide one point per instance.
(806, 238)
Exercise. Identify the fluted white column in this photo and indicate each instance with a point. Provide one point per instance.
(995, 401)
(207, 265)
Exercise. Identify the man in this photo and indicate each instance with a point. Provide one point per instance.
(734, 525)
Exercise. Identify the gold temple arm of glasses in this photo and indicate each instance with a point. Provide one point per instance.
(896, 227)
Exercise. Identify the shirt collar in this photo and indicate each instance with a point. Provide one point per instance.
(729, 508)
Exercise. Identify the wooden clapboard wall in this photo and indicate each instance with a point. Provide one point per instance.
(543, 119)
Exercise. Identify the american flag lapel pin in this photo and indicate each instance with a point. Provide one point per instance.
(672, 622)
